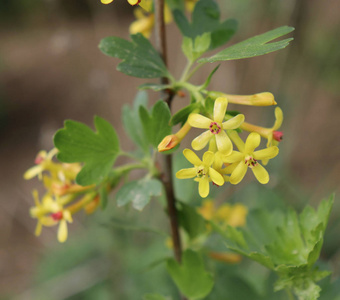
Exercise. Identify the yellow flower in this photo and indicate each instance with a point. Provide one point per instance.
(146, 19)
(202, 170)
(190, 5)
(248, 158)
(226, 214)
(144, 23)
(50, 212)
(271, 134)
(215, 127)
(260, 99)
(131, 2)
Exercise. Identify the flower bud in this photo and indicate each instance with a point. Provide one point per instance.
(168, 143)
(278, 136)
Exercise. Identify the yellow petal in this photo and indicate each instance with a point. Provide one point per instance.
(278, 118)
(235, 156)
(220, 108)
(106, 1)
(238, 173)
(146, 5)
(234, 122)
(199, 121)
(143, 26)
(192, 157)
(252, 142)
(238, 215)
(223, 142)
(62, 231)
(230, 169)
(216, 177)
(38, 229)
(208, 158)
(32, 172)
(186, 173)
(261, 174)
(267, 153)
(133, 2)
(35, 195)
(67, 216)
(203, 187)
(236, 139)
(202, 140)
(212, 145)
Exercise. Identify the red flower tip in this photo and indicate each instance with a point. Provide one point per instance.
(278, 136)
(57, 216)
(39, 159)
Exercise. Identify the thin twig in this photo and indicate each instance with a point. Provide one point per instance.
(171, 201)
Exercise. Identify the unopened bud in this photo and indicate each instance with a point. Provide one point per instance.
(278, 136)
(168, 143)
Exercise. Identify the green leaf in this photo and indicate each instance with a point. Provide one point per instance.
(132, 122)
(206, 19)
(155, 297)
(139, 58)
(191, 221)
(190, 276)
(98, 151)
(286, 243)
(182, 115)
(255, 46)
(156, 124)
(194, 48)
(139, 192)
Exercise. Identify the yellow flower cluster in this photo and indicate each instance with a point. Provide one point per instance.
(222, 163)
(145, 17)
(63, 196)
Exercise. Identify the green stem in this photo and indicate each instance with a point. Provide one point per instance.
(186, 71)
(193, 71)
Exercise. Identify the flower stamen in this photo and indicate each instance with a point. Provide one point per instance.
(250, 161)
(214, 128)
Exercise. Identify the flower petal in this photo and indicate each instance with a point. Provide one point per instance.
(220, 108)
(62, 231)
(192, 157)
(186, 173)
(199, 121)
(278, 118)
(236, 139)
(230, 169)
(32, 172)
(234, 122)
(208, 158)
(238, 173)
(203, 187)
(38, 229)
(261, 174)
(216, 177)
(67, 216)
(202, 140)
(267, 153)
(235, 156)
(224, 143)
(252, 142)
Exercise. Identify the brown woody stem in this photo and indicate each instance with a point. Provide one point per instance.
(167, 96)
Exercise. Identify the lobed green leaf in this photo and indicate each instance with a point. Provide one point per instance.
(156, 124)
(139, 57)
(206, 19)
(255, 46)
(98, 151)
(190, 276)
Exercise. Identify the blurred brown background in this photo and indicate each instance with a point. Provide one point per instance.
(51, 70)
